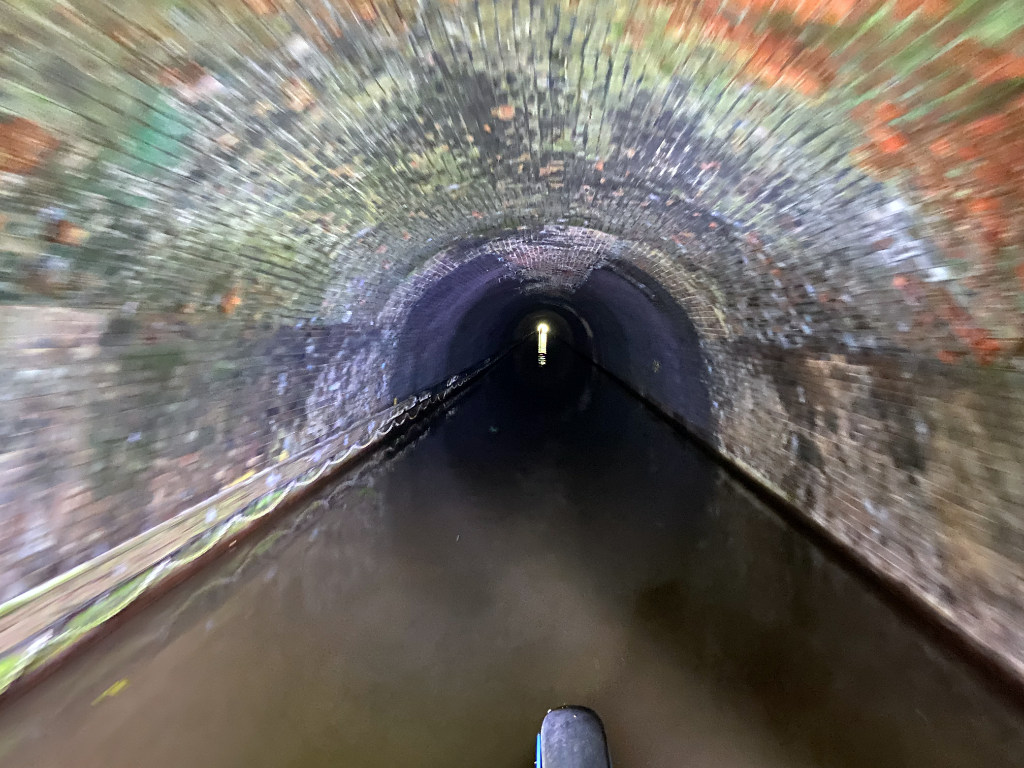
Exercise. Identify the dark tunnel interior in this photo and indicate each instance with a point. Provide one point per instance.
(621, 319)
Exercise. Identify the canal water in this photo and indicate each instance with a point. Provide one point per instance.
(546, 541)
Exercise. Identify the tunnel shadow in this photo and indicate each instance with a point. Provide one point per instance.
(647, 339)
(619, 317)
(564, 451)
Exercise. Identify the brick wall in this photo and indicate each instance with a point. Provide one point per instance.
(227, 229)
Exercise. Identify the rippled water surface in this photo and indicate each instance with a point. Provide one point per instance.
(548, 541)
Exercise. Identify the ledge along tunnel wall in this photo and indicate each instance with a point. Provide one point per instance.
(231, 228)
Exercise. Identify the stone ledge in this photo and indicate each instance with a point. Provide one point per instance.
(40, 626)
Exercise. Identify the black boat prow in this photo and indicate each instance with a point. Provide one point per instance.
(572, 737)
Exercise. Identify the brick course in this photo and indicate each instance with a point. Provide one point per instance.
(217, 220)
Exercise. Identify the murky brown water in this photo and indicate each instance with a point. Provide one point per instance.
(541, 545)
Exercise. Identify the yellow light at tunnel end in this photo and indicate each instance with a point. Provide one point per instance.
(542, 343)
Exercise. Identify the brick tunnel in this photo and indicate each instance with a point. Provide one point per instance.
(244, 242)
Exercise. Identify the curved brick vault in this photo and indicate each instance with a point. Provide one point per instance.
(230, 227)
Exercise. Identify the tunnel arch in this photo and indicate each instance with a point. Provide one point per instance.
(628, 321)
(231, 228)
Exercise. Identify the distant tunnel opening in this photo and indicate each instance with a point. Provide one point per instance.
(618, 317)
